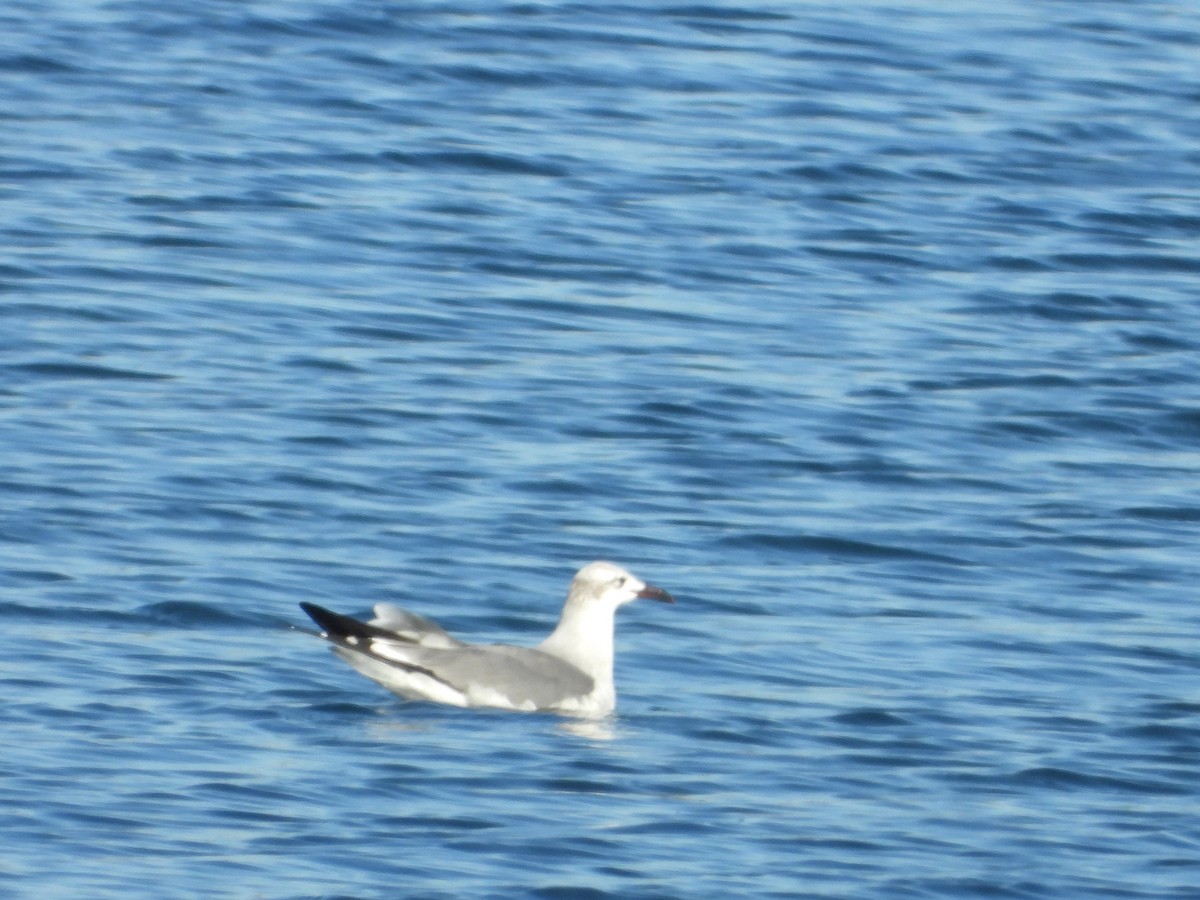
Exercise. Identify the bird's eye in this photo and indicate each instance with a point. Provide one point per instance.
(620, 582)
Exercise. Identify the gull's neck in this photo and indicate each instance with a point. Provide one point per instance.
(584, 638)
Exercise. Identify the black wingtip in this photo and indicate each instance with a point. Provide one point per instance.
(318, 614)
(341, 628)
(333, 624)
(347, 632)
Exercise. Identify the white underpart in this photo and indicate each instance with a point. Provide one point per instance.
(482, 695)
(405, 682)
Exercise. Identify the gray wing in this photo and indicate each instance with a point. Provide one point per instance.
(525, 677)
(409, 626)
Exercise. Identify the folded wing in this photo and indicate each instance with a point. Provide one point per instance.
(409, 626)
(417, 659)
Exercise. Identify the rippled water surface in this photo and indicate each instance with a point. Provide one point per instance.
(870, 331)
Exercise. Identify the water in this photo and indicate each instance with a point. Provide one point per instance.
(869, 332)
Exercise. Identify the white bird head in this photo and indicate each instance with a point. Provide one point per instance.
(606, 584)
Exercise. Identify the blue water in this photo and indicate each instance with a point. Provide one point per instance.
(869, 331)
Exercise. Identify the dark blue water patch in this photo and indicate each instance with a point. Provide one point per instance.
(1141, 223)
(542, 266)
(1087, 423)
(560, 487)
(474, 161)
(337, 710)
(701, 11)
(398, 333)
(1062, 779)
(1012, 213)
(1159, 342)
(578, 315)
(11, 279)
(105, 821)
(835, 173)
(996, 382)
(657, 414)
(1017, 264)
(876, 257)
(731, 736)
(281, 27)
(169, 240)
(443, 826)
(503, 76)
(849, 848)
(667, 826)
(165, 684)
(1163, 513)
(869, 466)
(1075, 307)
(1136, 652)
(1178, 743)
(1071, 136)
(835, 547)
(36, 64)
(911, 613)
(86, 371)
(877, 745)
(233, 790)
(1127, 262)
(870, 717)
(1000, 887)
(312, 482)
(1179, 423)
(579, 786)
(1065, 306)
(91, 614)
(164, 201)
(254, 199)
(122, 275)
(572, 892)
(256, 817)
(1169, 710)
(324, 442)
(37, 576)
(946, 176)
(324, 364)
(189, 614)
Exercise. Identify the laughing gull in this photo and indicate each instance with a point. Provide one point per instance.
(569, 672)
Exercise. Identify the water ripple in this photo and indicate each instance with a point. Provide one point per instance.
(871, 334)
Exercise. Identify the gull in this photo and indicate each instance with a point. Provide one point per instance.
(570, 672)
